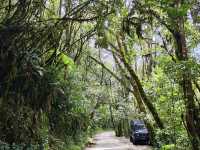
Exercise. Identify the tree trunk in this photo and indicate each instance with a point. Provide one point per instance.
(60, 8)
(186, 84)
(111, 116)
(139, 93)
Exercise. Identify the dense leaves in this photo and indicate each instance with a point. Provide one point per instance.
(68, 67)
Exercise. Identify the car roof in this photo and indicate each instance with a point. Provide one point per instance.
(135, 122)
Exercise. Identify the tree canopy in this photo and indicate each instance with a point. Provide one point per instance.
(71, 67)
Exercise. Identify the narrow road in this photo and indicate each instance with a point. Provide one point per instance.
(108, 141)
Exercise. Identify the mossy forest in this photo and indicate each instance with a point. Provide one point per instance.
(70, 69)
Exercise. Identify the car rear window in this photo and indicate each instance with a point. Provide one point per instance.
(139, 126)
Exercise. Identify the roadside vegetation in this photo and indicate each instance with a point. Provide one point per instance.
(71, 67)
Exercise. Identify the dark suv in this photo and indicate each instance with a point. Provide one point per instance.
(139, 132)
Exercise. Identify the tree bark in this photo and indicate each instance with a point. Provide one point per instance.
(178, 32)
(197, 85)
(139, 93)
(191, 115)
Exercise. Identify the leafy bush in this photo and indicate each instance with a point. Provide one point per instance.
(74, 147)
(168, 147)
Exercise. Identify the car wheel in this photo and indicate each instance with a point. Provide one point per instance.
(149, 142)
(131, 139)
(134, 142)
(146, 142)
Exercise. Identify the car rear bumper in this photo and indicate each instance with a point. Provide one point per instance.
(138, 140)
(142, 139)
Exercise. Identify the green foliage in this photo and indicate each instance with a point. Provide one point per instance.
(177, 12)
(74, 147)
(168, 147)
(51, 92)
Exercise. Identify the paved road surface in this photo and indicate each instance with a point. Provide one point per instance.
(108, 141)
